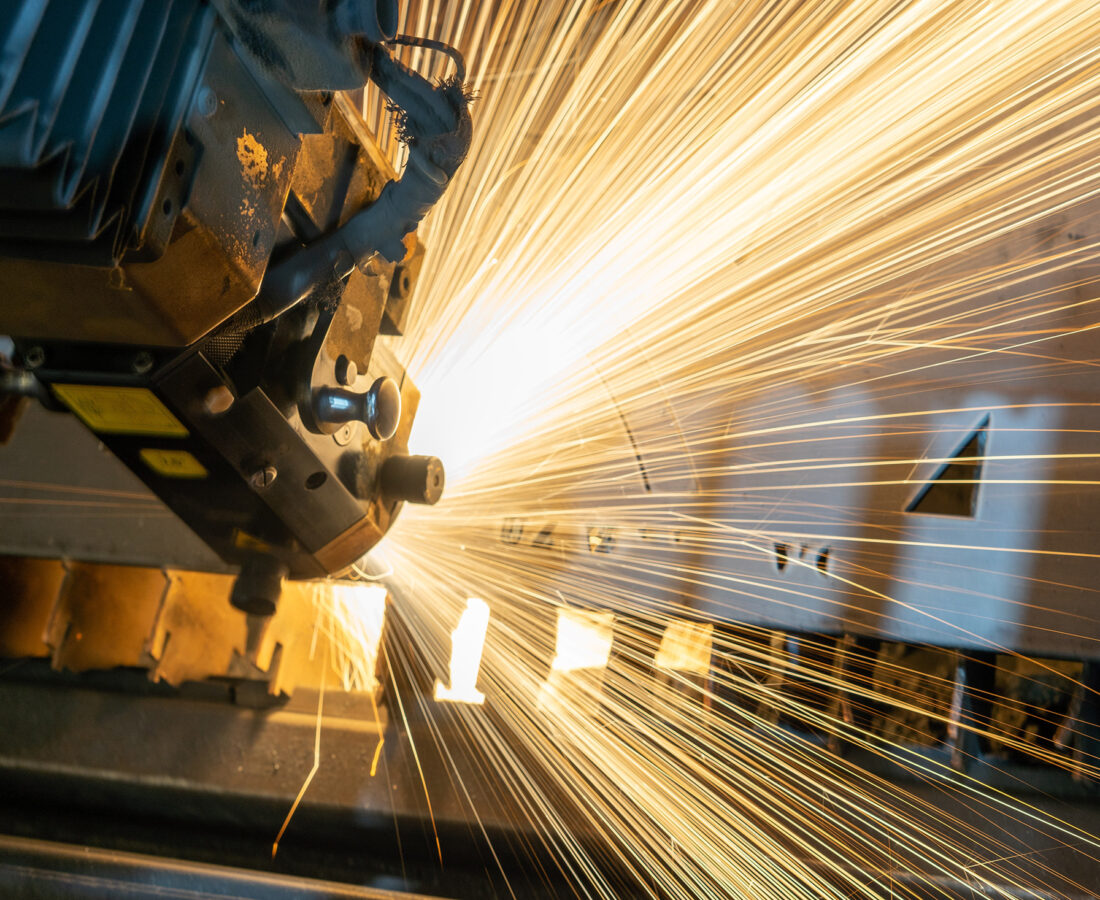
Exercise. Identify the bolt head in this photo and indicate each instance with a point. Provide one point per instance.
(345, 434)
(218, 400)
(34, 357)
(142, 362)
(263, 477)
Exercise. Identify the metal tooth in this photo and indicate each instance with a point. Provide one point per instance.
(977, 686)
(1088, 722)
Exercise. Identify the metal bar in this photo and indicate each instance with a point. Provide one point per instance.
(45, 870)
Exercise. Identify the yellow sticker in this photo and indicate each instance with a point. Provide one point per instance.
(172, 463)
(120, 410)
(246, 541)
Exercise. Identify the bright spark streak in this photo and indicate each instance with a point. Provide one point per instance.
(717, 280)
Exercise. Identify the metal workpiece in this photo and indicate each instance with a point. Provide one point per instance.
(379, 408)
(66, 746)
(174, 627)
(414, 479)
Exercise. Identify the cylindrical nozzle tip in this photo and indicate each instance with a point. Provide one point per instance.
(259, 585)
(416, 479)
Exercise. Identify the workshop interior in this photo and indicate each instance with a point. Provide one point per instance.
(581, 448)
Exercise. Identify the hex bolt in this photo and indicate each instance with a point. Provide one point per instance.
(263, 477)
(346, 371)
(218, 400)
(142, 362)
(33, 357)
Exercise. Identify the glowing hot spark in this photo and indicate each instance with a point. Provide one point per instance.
(467, 642)
(720, 291)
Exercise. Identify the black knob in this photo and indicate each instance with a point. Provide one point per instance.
(259, 585)
(380, 407)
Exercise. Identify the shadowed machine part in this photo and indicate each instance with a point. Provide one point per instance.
(199, 251)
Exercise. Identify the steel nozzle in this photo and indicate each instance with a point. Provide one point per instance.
(415, 479)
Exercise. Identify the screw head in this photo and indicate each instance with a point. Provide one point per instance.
(263, 477)
(142, 362)
(217, 400)
(344, 435)
(33, 357)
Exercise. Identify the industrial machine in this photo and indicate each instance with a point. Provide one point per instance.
(200, 246)
(206, 268)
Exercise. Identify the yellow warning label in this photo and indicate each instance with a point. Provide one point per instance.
(172, 463)
(120, 410)
(246, 541)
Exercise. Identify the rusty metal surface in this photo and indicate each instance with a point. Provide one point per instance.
(31, 588)
(176, 625)
(104, 615)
